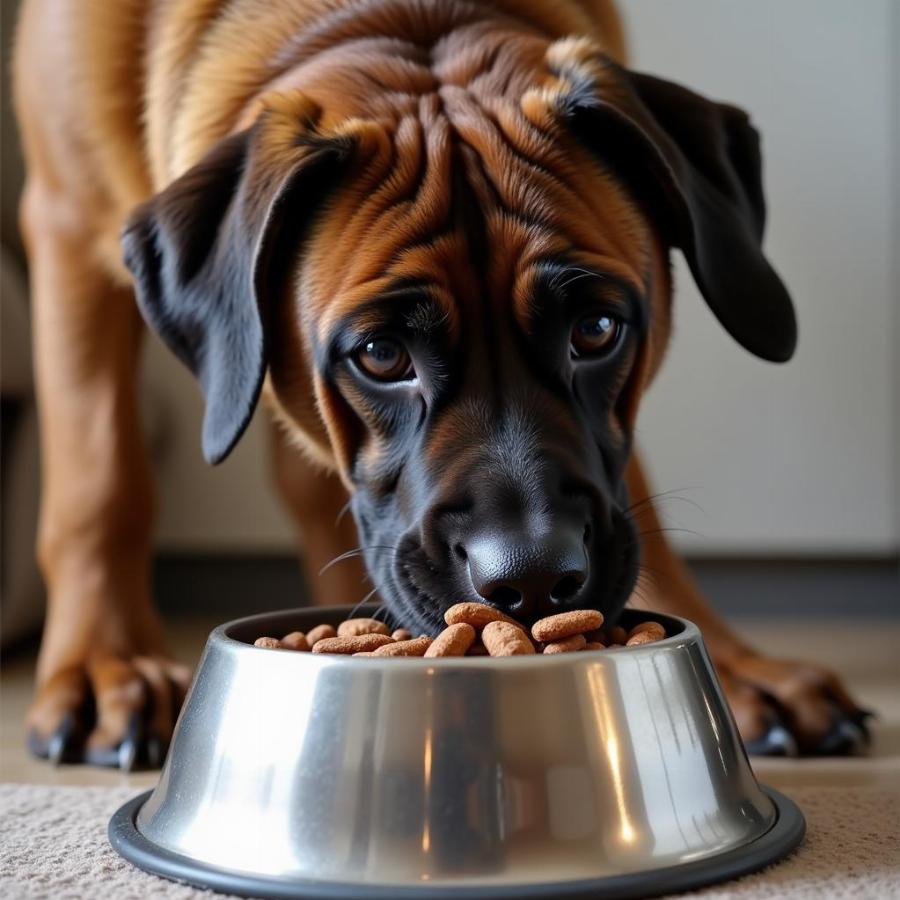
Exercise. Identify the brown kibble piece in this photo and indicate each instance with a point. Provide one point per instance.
(269, 643)
(506, 639)
(356, 627)
(454, 640)
(414, 647)
(500, 635)
(477, 615)
(571, 644)
(320, 633)
(296, 640)
(353, 644)
(563, 625)
(642, 637)
(617, 635)
(652, 628)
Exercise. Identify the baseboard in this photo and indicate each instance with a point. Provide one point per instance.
(783, 588)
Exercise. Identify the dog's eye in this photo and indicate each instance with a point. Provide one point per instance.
(385, 359)
(595, 335)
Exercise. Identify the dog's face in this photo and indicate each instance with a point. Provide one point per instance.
(480, 356)
(476, 307)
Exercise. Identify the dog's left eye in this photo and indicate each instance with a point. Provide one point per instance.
(385, 359)
(596, 335)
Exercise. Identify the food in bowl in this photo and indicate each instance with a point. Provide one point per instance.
(473, 629)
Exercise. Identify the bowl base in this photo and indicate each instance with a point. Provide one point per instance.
(783, 837)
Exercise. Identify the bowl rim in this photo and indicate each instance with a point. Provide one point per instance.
(687, 633)
(783, 836)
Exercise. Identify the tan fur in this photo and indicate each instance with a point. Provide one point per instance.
(117, 98)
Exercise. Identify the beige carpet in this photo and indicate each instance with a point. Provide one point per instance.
(53, 845)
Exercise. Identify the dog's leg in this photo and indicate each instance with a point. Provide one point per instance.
(781, 707)
(317, 502)
(106, 691)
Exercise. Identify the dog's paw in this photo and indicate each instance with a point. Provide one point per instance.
(110, 711)
(787, 708)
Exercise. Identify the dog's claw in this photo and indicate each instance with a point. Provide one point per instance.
(846, 737)
(61, 740)
(156, 752)
(132, 743)
(128, 754)
(776, 740)
(60, 746)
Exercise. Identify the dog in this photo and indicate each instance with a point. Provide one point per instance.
(433, 236)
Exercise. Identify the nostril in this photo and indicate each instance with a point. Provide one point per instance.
(587, 533)
(505, 597)
(460, 553)
(566, 588)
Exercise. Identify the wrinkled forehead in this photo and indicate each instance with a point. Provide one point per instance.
(461, 209)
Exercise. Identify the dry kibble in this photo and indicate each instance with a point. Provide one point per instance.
(505, 639)
(617, 635)
(320, 633)
(454, 640)
(355, 627)
(296, 640)
(473, 629)
(414, 647)
(563, 625)
(353, 644)
(566, 645)
(654, 629)
(477, 615)
(269, 643)
(642, 637)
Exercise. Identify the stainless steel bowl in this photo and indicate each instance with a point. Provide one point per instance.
(610, 774)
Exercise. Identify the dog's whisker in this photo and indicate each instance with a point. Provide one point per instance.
(579, 274)
(343, 511)
(350, 554)
(653, 532)
(362, 602)
(667, 496)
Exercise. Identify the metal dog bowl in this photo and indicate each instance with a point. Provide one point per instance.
(610, 774)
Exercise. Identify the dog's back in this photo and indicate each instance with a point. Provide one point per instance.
(117, 99)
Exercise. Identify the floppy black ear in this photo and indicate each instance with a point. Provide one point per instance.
(702, 159)
(208, 253)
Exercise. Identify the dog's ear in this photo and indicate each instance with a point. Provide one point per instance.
(698, 163)
(210, 251)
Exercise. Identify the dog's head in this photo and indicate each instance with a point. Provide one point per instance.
(459, 299)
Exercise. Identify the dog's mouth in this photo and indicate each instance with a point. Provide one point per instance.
(416, 590)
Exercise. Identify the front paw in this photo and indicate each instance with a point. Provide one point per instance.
(785, 708)
(109, 711)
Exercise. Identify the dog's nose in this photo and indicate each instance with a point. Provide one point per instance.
(527, 577)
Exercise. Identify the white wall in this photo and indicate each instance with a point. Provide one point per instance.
(792, 459)
(801, 458)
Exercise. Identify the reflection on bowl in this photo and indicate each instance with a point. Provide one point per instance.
(612, 773)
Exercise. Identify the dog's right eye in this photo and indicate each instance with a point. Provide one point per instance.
(596, 335)
(385, 359)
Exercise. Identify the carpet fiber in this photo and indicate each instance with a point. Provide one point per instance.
(53, 844)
